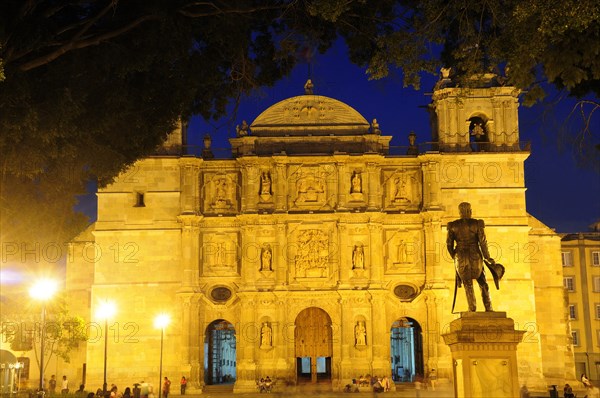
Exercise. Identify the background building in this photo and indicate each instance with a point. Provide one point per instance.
(581, 269)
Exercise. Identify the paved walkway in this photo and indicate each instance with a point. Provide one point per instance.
(404, 393)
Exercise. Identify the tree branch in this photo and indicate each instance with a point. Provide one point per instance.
(71, 45)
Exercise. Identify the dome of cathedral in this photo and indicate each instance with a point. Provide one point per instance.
(309, 115)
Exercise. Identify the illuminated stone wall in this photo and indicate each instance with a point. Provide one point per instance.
(362, 236)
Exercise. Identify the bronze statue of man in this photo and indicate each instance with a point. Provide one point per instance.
(469, 252)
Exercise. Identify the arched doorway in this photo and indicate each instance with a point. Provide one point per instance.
(219, 353)
(406, 341)
(313, 341)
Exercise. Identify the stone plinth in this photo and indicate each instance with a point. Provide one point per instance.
(484, 353)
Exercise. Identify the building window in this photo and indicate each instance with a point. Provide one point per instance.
(596, 259)
(569, 283)
(139, 199)
(597, 284)
(598, 338)
(567, 259)
(572, 311)
(597, 311)
(575, 335)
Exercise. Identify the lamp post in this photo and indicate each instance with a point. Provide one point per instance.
(160, 322)
(43, 290)
(107, 309)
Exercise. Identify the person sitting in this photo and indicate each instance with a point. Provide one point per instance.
(586, 382)
(268, 384)
(377, 386)
(568, 391)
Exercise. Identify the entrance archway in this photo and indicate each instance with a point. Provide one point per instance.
(406, 341)
(313, 341)
(219, 353)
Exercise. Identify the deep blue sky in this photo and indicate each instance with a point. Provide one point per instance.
(560, 194)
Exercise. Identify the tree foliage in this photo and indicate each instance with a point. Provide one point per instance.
(90, 86)
(21, 328)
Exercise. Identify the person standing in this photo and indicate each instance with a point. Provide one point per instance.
(166, 387)
(432, 379)
(64, 389)
(183, 384)
(52, 385)
(470, 250)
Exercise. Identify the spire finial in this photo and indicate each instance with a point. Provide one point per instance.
(308, 87)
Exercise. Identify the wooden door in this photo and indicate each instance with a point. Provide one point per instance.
(313, 337)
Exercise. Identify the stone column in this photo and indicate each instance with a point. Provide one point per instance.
(185, 300)
(280, 187)
(280, 255)
(484, 354)
(343, 186)
(196, 338)
(189, 188)
(374, 202)
(376, 260)
(246, 345)
(249, 186)
(431, 185)
(190, 251)
(378, 333)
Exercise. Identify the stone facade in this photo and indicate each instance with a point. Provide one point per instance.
(318, 240)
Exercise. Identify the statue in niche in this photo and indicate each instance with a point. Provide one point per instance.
(265, 184)
(266, 258)
(402, 189)
(360, 333)
(356, 183)
(478, 132)
(402, 252)
(358, 257)
(221, 194)
(242, 130)
(266, 336)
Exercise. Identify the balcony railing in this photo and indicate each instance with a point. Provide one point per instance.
(392, 151)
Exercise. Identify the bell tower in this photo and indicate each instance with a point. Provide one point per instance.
(481, 117)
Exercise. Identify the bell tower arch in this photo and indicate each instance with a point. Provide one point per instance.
(482, 117)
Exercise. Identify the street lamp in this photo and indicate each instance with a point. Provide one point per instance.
(107, 309)
(43, 290)
(160, 322)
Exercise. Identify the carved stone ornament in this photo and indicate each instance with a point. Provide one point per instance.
(313, 253)
(405, 292)
(220, 294)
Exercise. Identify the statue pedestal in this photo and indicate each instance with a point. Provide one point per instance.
(484, 354)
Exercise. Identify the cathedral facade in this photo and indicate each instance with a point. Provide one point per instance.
(317, 252)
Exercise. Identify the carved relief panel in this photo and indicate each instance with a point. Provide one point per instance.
(220, 193)
(219, 253)
(403, 189)
(311, 252)
(403, 251)
(310, 187)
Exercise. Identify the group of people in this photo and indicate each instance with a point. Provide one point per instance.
(52, 383)
(568, 390)
(378, 384)
(140, 390)
(265, 384)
